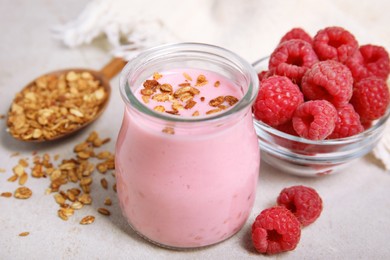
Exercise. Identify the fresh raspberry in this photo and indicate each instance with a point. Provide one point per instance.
(347, 124)
(277, 100)
(263, 75)
(367, 124)
(355, 63)
(297, 33)
(275, 230)
(287, 128)
(369, 60)
(304, 202)
(376, 60)
(334, 43)
(370, 98)
(329, 80)
(292, 59)
(315, 119)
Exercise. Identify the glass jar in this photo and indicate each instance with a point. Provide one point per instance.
(195, 187)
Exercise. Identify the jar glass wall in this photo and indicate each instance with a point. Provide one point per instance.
(195, 185)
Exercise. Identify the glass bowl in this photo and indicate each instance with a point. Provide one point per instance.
(303, 157)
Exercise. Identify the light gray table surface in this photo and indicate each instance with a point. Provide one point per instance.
(355, 222)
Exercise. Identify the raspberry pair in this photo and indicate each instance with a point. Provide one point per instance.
(278, 229)
(297, 51)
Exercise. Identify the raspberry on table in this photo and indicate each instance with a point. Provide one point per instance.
(370, 60)
(329, 80)
(297, 33)
(347, 124)
(315, 119)
(370, 98)
(277, 100)
(334, 43)
(275, 230)
(304, 202)
(292, 59)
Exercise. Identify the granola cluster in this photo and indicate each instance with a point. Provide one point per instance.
(55, 105)
(182, 97)
(77, 170)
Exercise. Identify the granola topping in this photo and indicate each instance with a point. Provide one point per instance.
(176, 93)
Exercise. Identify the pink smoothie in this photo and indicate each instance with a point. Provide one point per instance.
(188, 187)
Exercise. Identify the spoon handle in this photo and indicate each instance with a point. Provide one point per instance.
(113, 67)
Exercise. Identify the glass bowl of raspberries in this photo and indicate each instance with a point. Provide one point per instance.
(323, 101)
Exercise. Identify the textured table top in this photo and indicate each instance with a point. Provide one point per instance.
(355, 222)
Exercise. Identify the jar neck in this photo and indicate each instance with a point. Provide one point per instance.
(194, 56)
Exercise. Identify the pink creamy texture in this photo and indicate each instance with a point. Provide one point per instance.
(188, 189)
(209, 91)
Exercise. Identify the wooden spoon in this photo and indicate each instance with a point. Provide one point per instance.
(103, 76)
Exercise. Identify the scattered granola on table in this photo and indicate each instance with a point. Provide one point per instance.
(74, 172)
(55, 105)
(6, 194)
(24, 234)
(23, 193)
(87, 220)
(104, 211)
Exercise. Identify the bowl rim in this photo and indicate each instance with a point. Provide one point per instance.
(379, 123)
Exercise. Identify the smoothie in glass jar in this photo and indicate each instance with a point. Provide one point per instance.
(187, 157)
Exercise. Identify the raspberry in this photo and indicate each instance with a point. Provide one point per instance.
(304, 202)
(292, 59)
(376, 60)
(329, 80)
(263, 75)
(370, 60)
(297, 33)
(315, 119)
(366, 124)
(370, 98)
(287, 128)
(275, 230)
(355, 63)
(277, 100)
(334, 43)
(347, 124)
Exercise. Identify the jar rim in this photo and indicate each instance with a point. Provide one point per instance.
(196, 48)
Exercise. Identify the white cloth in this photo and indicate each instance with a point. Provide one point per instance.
(382, 150)
(130, 27)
